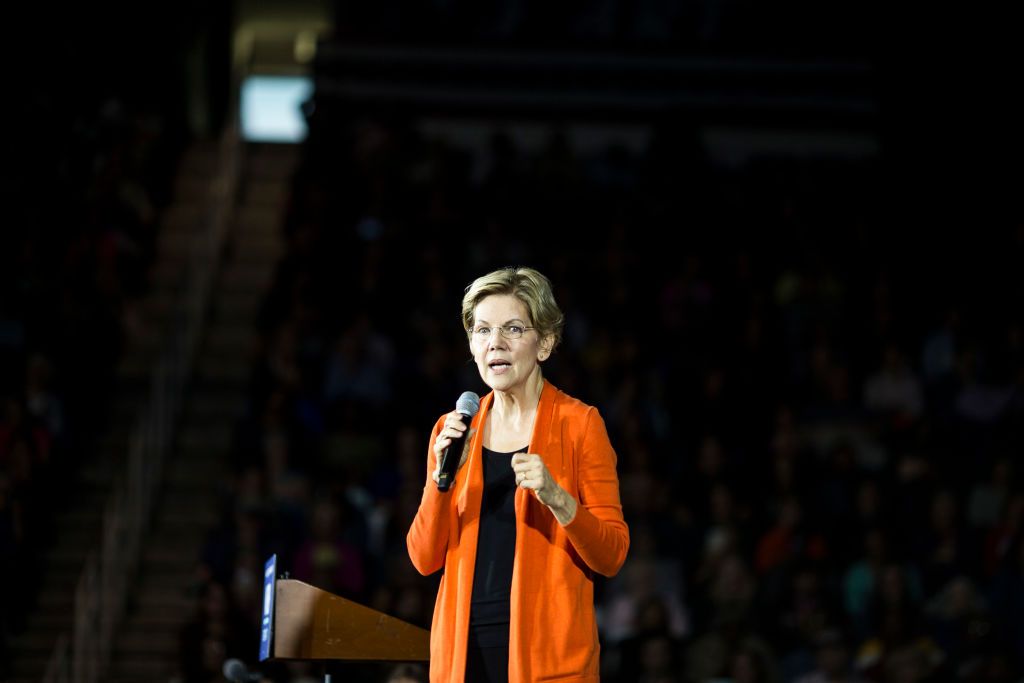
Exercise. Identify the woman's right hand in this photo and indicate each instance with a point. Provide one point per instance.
(453, 427)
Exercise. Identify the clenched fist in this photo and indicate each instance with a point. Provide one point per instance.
(533, 474)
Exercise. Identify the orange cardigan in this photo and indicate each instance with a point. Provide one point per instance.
(553, 631)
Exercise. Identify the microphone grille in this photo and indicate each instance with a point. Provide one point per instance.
(468, 403)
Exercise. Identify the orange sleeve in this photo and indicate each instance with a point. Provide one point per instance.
(598, 532)
(427, 539)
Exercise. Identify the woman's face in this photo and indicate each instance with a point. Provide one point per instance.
(505, 364)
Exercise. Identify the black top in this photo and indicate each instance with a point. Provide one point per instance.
(495, 550)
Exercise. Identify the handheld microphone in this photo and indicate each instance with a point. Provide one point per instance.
(467, 406)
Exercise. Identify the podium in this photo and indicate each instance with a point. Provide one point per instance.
(303, 622)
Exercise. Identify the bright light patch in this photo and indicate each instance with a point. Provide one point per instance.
(272, 108)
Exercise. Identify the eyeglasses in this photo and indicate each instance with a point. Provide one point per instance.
(507, 331)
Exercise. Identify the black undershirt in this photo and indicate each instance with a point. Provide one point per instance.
(495, 552)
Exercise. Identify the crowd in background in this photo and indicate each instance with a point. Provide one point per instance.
(815, 416)
(95, 132)
(73, 268)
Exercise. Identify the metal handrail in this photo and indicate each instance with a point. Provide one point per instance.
(102, 589)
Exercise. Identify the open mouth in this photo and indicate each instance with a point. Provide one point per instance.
(499, 365)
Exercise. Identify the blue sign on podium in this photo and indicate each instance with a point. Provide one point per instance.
(267, 621)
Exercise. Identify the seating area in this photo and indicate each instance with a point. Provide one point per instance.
(816, 430)
(73, 282)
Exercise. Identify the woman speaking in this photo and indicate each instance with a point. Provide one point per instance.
(533, 513)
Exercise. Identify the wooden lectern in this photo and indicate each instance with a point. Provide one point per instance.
(303, 622)
(312, 624)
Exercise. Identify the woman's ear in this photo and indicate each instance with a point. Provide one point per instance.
(546, 345)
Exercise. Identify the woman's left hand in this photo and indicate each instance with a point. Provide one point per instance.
(533, 474)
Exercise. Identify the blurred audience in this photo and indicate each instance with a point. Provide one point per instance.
(816, 442)
(786, 525)
(90, 173)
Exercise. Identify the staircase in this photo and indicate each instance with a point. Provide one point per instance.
(78, 527)
(161, 599)
(197, 473)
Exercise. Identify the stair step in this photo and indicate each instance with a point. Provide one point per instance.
(178, 605)
(189, 539)
(227, 326)
(228, 337)
(239, 305)
(258, 225)
(156, 621)
(265, 191)
(177, 521)
(246, 277)
(131, 392)
(183, 217)
(135, 368)
(180, 246)
(244, 353)
(195, 494)
(159, 303)
(180, 554)
(181, 498)
(154, 316)
(187, 533)
(278, 163)
(195, 439)
(194, 489)
(258, 221)
(183, 221)
(125, 410)
(261, 253)
(247, 299)
(144, 332)
(226, 414)
(224, 370)
(177, 503)
(143, 667)
(262, 237)
(209, 400)
(192, 188)
(214, 432)
(205, 473)
(167, 584)
(167, 273)
(113, 447)
(204, 448)
(132, 643)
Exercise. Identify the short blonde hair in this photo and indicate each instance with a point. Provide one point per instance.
(527, 285)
